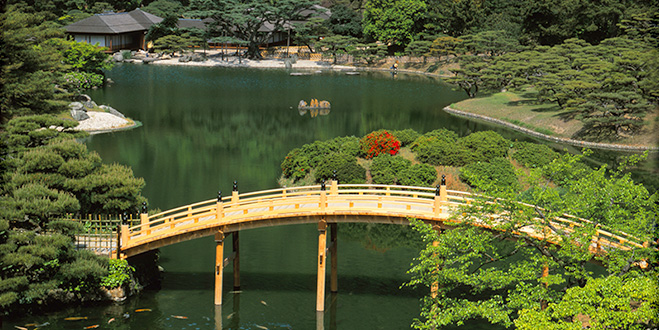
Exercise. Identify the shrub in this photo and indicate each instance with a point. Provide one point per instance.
(379, 142)
(386, 168)
(484, 146)
(78, 81)
(437, 151)
(418, 175)
(299, 162)
(295, 165)
(346, 167)
(119, 273)
(533, 154)
(406, 136)
(498, 174)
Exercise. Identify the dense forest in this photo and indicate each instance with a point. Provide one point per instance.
(596, 60)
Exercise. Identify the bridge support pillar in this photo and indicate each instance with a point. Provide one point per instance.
(334, 282)
(236, 260)
(322, 243)
(219, 266)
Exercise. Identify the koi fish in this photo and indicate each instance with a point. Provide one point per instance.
(179, 317)
(31, 325)
(235, 291)
(142, 310)
(19, 328)
(261, 327)
(230, 316)
(111, 320)
(75, 318)
(91, 326)
(264, 303)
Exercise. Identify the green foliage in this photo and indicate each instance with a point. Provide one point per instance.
(386, 169)
(610, 303)
(393, 22)
(497, 274)
(83, 56)
(406, 136)
(165, 28)
(344, 21)
(484, 145)
(84, 273)
(371, 53)
(379, 142)
(345, 165)
(336, 45)
(79, 81)
(469, 77)
(245, 20)
(419, 48)
(163, 8)
(119, 273)
(299, 162)
(498, 172)
(30, 65)
(171, 44)
(533, 154)
(442, 147)
(422, 175)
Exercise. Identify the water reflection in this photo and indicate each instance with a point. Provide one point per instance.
(314, 107)
(314, 112)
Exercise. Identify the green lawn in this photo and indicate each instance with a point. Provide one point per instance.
(522, 109)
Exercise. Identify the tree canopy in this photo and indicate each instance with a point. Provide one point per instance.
(507, 277)
(250, 21)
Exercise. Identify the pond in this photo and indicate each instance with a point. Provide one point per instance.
(202, 129)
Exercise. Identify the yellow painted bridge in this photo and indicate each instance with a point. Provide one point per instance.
(326, 206)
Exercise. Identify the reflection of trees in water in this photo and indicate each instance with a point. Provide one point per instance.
(380, 237)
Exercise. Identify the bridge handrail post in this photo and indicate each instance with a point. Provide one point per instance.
(441, 197)
(219, 206)
(144, 219)
(234, 193)
(323, 197)
(334, 187)
(125, 237)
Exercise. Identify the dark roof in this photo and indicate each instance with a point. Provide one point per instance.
(193, 23)
(114, 23)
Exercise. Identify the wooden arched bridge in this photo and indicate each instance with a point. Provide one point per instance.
(325, 206)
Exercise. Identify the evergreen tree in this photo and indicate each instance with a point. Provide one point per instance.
(30, 66)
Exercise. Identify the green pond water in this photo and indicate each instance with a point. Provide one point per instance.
(202, 129)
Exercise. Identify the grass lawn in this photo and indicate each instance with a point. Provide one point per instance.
(522, 109)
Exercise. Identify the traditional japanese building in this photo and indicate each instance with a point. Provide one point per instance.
(115, 31)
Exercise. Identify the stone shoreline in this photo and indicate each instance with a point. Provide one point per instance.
(578, 143)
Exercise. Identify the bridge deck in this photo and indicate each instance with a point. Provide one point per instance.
(341, 203)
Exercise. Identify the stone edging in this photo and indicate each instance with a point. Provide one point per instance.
(585, 144)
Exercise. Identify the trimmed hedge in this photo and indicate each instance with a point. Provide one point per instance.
(533, 154)
(498, 172)
(385, 168)
(345, 165)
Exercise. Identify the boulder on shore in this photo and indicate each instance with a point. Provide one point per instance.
(78, 111)
(117, 57)
(112, 110)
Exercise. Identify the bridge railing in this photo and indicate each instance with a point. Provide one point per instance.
(404, 201)
(604, 236)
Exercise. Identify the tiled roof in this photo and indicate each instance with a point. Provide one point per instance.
(114, 23)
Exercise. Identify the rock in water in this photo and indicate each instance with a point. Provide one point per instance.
(117, 57)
